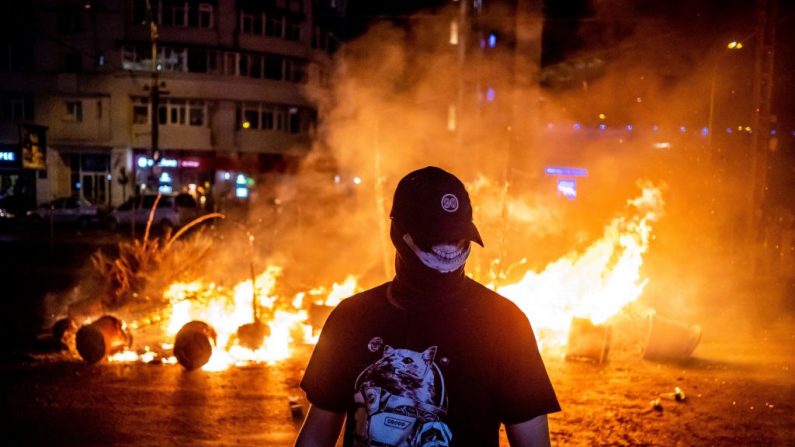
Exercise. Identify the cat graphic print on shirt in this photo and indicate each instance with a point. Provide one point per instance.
(400, 401)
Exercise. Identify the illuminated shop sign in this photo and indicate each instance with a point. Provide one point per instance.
(33, 140)
(567, 188)
(9, 156)
(567, 172)
(146, 162)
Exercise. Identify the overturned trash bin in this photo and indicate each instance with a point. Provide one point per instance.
(670, 340)
(194, 344)
(587, 341)
(105, 336)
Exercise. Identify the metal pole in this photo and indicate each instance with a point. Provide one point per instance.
(154, 92)
(762, 112)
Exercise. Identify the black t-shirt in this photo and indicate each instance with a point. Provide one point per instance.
(443, 376)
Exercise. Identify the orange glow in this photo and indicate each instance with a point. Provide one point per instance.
(596, 284)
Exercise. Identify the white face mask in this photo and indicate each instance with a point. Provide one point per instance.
(443, 258)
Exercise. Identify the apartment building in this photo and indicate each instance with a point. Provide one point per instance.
(232, 79)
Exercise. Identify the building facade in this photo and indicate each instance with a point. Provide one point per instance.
(232, 80)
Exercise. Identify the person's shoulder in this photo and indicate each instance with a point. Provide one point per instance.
(362, 300)
(491, 301)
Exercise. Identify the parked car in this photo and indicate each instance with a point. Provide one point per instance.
(173, 210)
(67, 210)
(10, 208)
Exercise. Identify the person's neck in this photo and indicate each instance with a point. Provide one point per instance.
(416, 286)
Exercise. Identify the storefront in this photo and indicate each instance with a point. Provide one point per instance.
(17, 185)
(89, 175)
(20, 165)
(176, 171)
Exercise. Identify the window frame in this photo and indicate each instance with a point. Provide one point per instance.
(172, 112)
(74, 111)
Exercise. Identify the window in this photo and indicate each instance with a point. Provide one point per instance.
(171, 112)
(201, 60)
(242, 65)
(179, 12)
(293, 31)
(274, 68)
(270, 24)
(74, 111)
(293, 120)
(197, 61)
(196, 113)
(295, 71)
(172, 59)
(274, 117)
(205, 15)
(175, 13)
(274, 26)
(140, 110)
(16, 106)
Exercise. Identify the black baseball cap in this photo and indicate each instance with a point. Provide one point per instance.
(433, 206)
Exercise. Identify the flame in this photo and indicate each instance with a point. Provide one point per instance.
(338, 292)
(226, 310)
(596, 284)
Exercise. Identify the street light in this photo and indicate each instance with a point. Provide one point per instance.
(733, 45)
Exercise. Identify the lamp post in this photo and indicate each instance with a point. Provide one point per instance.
(732, 46)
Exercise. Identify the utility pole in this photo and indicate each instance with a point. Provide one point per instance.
(766, 11)
(154, 88)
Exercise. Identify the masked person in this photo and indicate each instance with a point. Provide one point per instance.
(432, 358)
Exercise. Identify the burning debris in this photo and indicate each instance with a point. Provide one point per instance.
(194, 344)
(216, 326)
(594, 285)
(102, 338)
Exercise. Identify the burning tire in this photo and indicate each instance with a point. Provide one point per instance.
(103, 337)
(194, 344)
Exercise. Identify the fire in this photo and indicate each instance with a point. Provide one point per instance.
(226, 310)
(596, 284)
